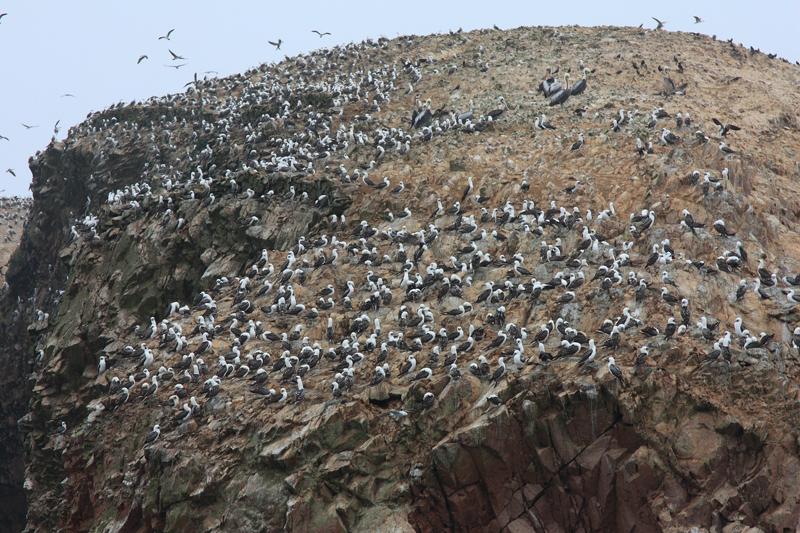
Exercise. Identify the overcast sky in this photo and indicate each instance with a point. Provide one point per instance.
(89, 48)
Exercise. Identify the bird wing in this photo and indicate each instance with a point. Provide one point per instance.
(170, 32)
(733, 127)
(657, 20)
(716, 121)
(318, 33)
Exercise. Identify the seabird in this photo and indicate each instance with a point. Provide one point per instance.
(167, 35)
(153, 435)
(321, 34)
(499, 371)
(725, 128)
(577, 144)
(719, 225)
(615, 371)
(427, 400)
(142, 58)
(697, 20)
(276, 45)
(175, 56)
(660, 23)
(494, 399)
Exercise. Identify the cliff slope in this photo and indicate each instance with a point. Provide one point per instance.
(324, 224)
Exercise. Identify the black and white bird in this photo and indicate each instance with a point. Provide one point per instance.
(615, 370)
(153, 435)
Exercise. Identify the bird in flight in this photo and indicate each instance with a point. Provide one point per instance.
(67, 95)
(697, 20)
(659, 22)
(28, 126)
(142, 58)
(11, 171)
(175, 56)
(167, 35)
(276, 45)
(321, 34)
(4, 138)
(176, 67)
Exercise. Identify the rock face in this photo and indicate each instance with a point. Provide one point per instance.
(151, 203)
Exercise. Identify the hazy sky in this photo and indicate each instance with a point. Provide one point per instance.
(89, 48)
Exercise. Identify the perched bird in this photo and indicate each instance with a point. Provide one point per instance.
(615, 371)
(153, 435)
(577, 144)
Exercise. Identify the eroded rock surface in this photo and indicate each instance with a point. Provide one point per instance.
(151, 203)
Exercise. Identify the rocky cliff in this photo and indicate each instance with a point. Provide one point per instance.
(379, 288)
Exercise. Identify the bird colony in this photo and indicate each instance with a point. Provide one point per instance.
(448, 274)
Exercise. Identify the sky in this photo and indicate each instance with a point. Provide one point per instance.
(89, 48)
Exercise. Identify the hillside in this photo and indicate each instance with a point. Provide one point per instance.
(325, 223)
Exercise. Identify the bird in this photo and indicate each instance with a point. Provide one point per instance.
(67, 95)
(725, 128)
(321, 34)
(697, 20)
(4, 138)
(719, 225)
(577, 144)
(167, 35)
(3, 15)
(142, 58)
(28, 126)
(153, 435)
(276, 45)
(615, 371)
(175, 56)
(176, 67)
(11, 171)
(660, 23)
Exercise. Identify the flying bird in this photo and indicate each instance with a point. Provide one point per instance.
(4, 138)
(697, 20)
(28, 126)
(725, 128)
(11, 171)
(276, 45)
(167, 35)
(176, 67)
(321, 34)
(67, 95)
(175, 56)
(659, 22)
(142, 58)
